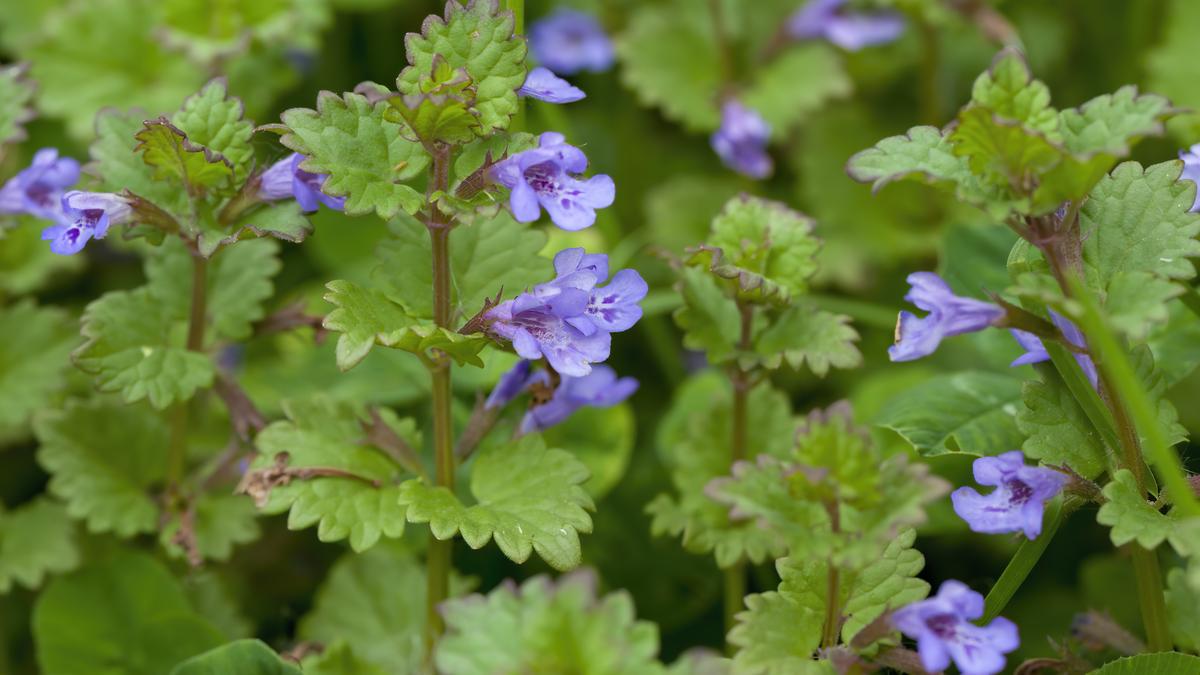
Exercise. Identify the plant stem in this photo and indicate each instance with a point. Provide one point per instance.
(197, 323)
(438, 558)
(833, 609)
(1149, 579)
(931, 104)
(735, 576)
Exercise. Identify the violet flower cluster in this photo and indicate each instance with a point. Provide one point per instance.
(569, 41)
(741, 141)
(286, 180)
(570, 319)
(830, 20)
(1019, 501)
(600, 388)
(543, 178)
(943, 628)
(949, 315)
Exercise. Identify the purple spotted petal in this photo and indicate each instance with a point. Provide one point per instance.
(568, 41)
(66, 239)
(615, 308)
(544, 85)
(1017, 503)
(540, 178)
(942, 627)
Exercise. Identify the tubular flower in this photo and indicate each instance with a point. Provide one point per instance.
(1017, 503)
(741, 142)
(546, 86)
(286, 180)
(541, 178)
(85, 216)
(942, 627)
(1035, 351)
(852, 31)
(568, 41)
(600, 388)
(37, 190)
(949, 315)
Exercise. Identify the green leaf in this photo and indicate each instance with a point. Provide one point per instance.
(968, 412)
(694, 444)
(679, 210)
(361, 503)
(1131, 517)
(366, 156)
(239, 284)
(924, 154)
(339, 659)
(176, 157)
(766, 249)
(1163, 663)
(796, 83)
(16, 94)
(365, 317)
(375, 603)
(212, 31)
(105, 53)
(27, 264)
(547, 627)
(213, 119)
(1003, 153)
(487, 255)
(134, 346)
(437, 118)
(1008, 89)
(479, 39)
(1112, 123)
(1139, 226)
(119, 167)
(1183, 610)
(802, 333)
(125, 615)
(709, 319)
(782, 630)
(103, 458)
(244, 657)
(36, 539)
(527, 497)
(671, 61)
(1057, 429)
(37, 342)
(219, 522)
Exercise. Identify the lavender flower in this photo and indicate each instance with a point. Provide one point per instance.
(1017, 503)
(949, 315)
(600, 388)
(546, 86)
(510, 386)
(942, 627)
(741, 142)
(829, 20)
(1035, 351)
(285, 180)
(568, 319)
(85, 216)
(540, 178)
(1191, 170)
(568, 41)
(37, 190)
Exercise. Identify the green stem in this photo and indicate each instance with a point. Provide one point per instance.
(735, 595)
(1148, 576)
(931, 104)
(833, 607)
(438, 558)
(197, 323)
(1026, 557)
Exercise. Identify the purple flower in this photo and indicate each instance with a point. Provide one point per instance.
(942, 627)
(568, 41)
(285, 179)
(510, 386)
(741, 142)
(540, 178)
(949, 315)
(569, 319)
(600, 388)
(546, 86)
(1018, 501)
(1035, 351)
(1191, 170)
(828, 20)
(38, 188)
(85, 216)
(536, 330)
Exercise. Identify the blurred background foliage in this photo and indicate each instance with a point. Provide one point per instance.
(86, 55)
